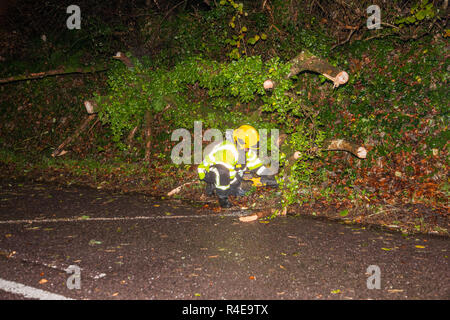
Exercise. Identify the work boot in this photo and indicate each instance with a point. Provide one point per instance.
(240, 192)
(209, 189)
(224, 202)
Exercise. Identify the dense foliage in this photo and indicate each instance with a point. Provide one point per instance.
(206, 62)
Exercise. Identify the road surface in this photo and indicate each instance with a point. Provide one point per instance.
(130, 246)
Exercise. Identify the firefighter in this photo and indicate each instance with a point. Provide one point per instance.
(224, 165)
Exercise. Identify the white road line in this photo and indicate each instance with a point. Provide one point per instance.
(82, 219)
(29, 292)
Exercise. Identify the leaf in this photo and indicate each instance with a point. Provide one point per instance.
(343, 213)
(420, 247)
(94, 242)
(336, 291)
(386, 249)
(42, 281)
(411, 19)
(263, 36)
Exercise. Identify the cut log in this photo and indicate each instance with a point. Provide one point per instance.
(126, 61)
(92, 107)
(252, 217)
(306, 61)
(342, 145)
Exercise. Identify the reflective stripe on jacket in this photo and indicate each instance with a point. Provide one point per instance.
(227, 154)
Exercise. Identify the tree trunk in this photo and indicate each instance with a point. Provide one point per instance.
(342, 145)
(306, 61)
(328, 145)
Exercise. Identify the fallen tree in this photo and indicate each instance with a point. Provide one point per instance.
(305, 61)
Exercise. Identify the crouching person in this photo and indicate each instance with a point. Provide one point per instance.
(223, 167)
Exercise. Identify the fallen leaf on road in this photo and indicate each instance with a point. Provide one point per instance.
(42, 281)
(336, 291)
(94, 242)
(420, 247)
(115, 294)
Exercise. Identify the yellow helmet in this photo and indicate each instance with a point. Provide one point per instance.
(246, 137)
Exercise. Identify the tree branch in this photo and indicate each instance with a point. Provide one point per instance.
(55, 72)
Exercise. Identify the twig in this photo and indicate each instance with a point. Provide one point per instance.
(81, 128)
(56, 72)
(178, 189)
(346, 40)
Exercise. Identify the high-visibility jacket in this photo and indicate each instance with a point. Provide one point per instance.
(227, 154)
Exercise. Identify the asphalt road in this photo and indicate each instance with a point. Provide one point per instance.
(130, 246)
